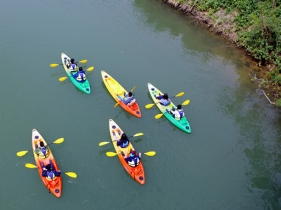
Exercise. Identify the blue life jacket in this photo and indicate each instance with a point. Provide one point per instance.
(165, 102)
(181, 113)
(128, 100)
(133, 160)
(82, 75)
(124, 144)
(44, 150)
(73, 66)
(50, 175)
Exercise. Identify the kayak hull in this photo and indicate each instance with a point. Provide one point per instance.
(137, 173)
(83, 86)
(182, 124)
(114, 88)
(54, 186)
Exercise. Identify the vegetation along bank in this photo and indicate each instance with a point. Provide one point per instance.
(252, 25)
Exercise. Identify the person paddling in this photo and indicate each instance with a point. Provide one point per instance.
(49, 171)
(72, 66)
(164, 99)
(177, 113)
(80, 75)
(128, 99)
(123, 142)
(133, 159)
(42, 151)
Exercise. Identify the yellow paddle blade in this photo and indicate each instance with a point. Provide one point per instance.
(179, 94)
(111, 154)
(59, 141)
(133, 88)
(103, 143)
(116, 105)
(186, 102)
(90, 68)
(158, 116)
(22, 153)
(150, 153)
(53, 65)
(62, 79)
(83, 61)
(30, 165)
(148, 106)
(71, 174)
(138, 134)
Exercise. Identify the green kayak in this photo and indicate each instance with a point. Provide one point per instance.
(83, 86)
(182, 124)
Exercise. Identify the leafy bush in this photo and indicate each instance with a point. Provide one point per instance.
(278, 102)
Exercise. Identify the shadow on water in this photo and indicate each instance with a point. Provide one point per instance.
(138, 140)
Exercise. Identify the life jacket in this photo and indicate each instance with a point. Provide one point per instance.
(43, 152)
(129, 100)
(165, 102)
(50, 175)
(72, 66)
(179, 114)
(134, 161)
(124, 144)
(81, 76)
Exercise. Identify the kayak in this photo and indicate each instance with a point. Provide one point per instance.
(115, 89)
(83, 86)
(137, 173)
(182, 124)
(54, 186)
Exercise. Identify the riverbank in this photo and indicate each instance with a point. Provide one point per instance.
(222, 22)
(224, 25)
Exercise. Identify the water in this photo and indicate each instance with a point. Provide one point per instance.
(231, 160)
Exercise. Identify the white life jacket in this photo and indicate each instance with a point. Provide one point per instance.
(131, 102)
(132, 163)
(178, 114)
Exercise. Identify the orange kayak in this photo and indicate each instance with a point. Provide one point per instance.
(137, 173)
(54, 186)
(115, 89)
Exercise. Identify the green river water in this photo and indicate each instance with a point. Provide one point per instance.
(231, 159)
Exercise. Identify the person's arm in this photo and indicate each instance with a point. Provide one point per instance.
(159, 97)
(120, 98)
(44, 172)
(57, 173)
(118, 142)
(172, 111)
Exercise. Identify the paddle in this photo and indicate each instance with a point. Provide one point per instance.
(112, 154)
(70, 174)
(64, 78)
(22, 153)
(119, 101)
(56, 64)
(183, 104)
(106, 142)
(148, 106)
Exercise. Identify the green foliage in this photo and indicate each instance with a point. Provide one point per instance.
(278, 79)
(182, 1)
(278, 102)
(258, 25)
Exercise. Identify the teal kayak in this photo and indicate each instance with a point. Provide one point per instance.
(182, 124)
(83, 86)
